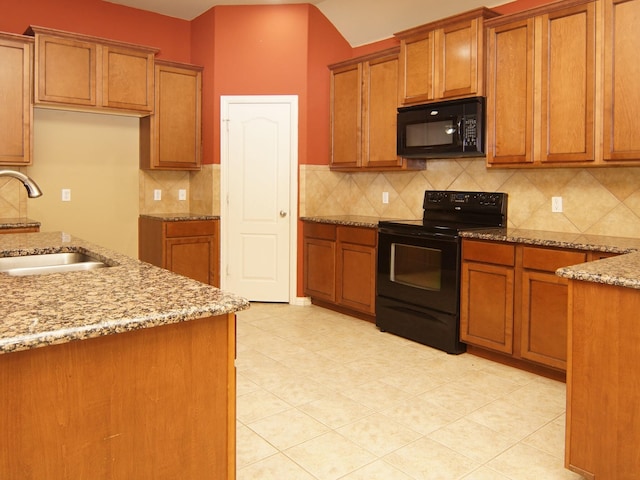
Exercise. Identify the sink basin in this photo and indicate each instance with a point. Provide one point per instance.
(49, 263)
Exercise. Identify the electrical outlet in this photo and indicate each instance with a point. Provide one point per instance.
(66, 194)
(556, 204)
(385, 197)
(182, 194)
(157, 194)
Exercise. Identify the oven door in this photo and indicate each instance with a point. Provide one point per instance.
(420, 269)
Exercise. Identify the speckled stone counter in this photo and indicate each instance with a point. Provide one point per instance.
(41, 310)
(347, 220)
(623, 270)
(20, 222)
(179, 217)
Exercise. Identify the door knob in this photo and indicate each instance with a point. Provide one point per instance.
(283, 213)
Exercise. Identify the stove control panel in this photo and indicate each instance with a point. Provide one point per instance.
(446, 200)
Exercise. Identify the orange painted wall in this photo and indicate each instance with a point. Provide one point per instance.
(101, 19)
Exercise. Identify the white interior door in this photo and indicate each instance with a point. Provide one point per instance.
(259, 196)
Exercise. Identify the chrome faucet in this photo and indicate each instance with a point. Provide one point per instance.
(33, 191)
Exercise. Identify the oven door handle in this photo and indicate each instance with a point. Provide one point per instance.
(444, 237)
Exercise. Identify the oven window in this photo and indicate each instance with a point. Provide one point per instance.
(430, 134)
(415, 266)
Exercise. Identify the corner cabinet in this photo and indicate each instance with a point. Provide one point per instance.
(16, 114)
(171, 138)
(363, 114)
(76, 71)
(443, 59)
(186, 247)
(340, 267)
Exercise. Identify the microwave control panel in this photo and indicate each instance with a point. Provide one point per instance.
(470, 133)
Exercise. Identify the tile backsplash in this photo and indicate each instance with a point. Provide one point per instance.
(603, 201)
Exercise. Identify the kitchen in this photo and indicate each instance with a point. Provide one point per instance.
(598, 201)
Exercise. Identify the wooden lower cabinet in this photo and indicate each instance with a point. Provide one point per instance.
(487, 295)
(155, 403)
(340, 267)
(186, 247)
(512, 302)
(603, 382)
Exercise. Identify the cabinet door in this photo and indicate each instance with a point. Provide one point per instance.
(65, 70)
(510, 93)
(544, 319)
(15, 97)
(127, 79)
(621, 73)
(568, 85)
(356, 269)
(416, 69)
(486, 306)
(193, 257)
(456, 59)
(380, 113)
(171, 138)
(346, 116)
(320, 268)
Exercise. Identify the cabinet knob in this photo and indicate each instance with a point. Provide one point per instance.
(283, 213)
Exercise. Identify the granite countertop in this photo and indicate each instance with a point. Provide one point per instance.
(347, 220)
(41, 310)
(179, 217)
(622, 270)
(19, 222)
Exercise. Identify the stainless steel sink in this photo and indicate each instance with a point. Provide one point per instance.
(49, 263)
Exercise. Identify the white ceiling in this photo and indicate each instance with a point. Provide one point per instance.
(359, 21)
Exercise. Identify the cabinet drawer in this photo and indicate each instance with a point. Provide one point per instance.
(360, 236)
(488, 252)
(323, 231)
(190, 228)
(550, 260)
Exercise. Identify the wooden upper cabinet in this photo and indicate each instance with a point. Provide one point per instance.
(16, 113)
(364, 107)
(541, 93)
(171, 138)
(568, 85)
(346, 116)
(443, 59)
(81, 72)
(621, 74)
(510, 93)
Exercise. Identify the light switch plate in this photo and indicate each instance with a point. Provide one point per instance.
(66, 194)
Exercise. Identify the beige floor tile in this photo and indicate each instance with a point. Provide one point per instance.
(427, 459)
(421, 416)
(549, 438)
(330, 456)
(287, 429)
(455, 397)
(508, 418)
(336, 411)
(379, 434)
(472, 440)
(378, 470)
(524, 462)
(251, 447)
(276, 467)
(484, 473)
(258, 404)
(324, 396)
(377, 395)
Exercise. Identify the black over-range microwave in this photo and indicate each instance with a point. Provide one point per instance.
(453, 128)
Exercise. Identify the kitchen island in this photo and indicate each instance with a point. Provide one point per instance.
(116, 373)
(603, 379)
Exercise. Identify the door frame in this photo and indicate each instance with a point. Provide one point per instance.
(292, 100)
